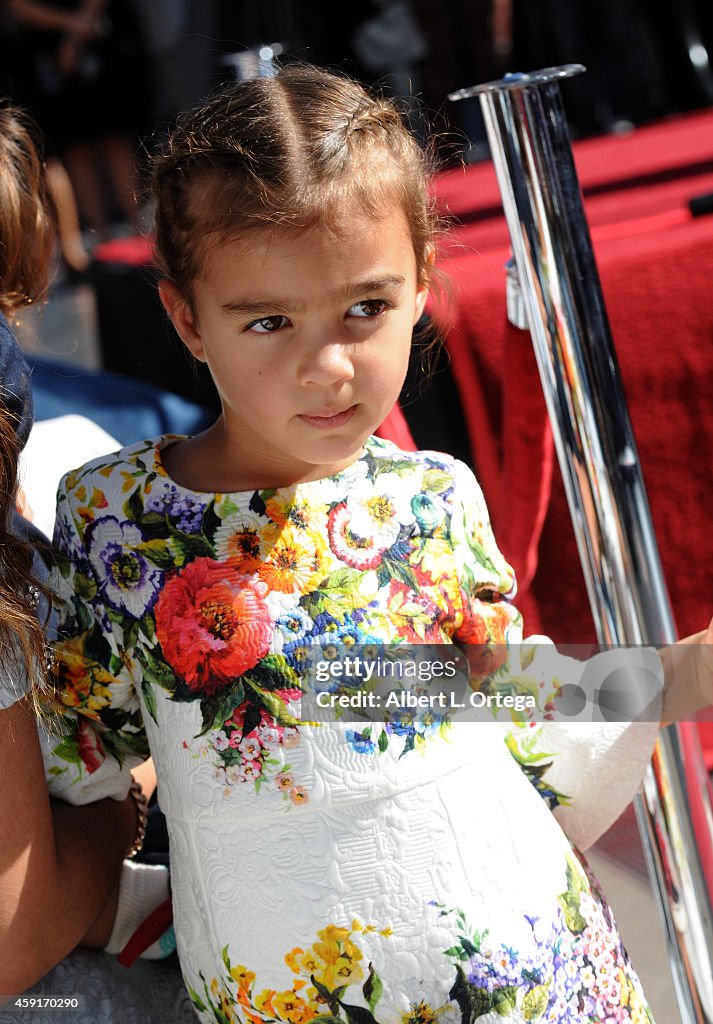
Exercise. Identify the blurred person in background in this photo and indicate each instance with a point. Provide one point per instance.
(79, 67)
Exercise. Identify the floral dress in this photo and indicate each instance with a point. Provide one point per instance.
(391, 872)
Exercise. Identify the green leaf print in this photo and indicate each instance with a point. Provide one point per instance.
(569, 901)
(337, 594)
(436, 481)
(218, 708)
(343, 579)
(196, 1000)
(358, 1015)
(85, 586)
(273, 704)
(273, 672)
(185, 547)
(67, 751)
(383, 741)
(505, 1000)
(329, 997)
(473, 1002)
(535, 1002)
(392, 569)
(156, 671)
(134, 506)
(401, 467)
(158, 552)
(149, 696)
(373, 988)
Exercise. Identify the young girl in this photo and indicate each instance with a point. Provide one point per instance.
(401, 871)
(44, 858)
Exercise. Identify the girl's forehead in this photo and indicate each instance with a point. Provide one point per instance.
(356, 235)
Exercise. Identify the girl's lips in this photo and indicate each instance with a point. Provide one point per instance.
(328, 422)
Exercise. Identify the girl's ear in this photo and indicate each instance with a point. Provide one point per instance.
(424, 284)
(182, 318)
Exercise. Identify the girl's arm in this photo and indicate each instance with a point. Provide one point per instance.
(59, 864)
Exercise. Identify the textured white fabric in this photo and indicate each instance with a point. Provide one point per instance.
(439, 869)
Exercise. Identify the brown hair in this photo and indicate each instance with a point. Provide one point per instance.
(27, 235)
(292, 151)
(27, 227)
(19, 623)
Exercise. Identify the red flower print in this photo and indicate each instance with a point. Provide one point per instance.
(89, 746)
(359, 552)
(212, 624)
(483, 634)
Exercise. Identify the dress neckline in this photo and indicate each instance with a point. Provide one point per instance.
(371, 444)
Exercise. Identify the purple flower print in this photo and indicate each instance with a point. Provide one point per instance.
(126, 578)
(185, 511)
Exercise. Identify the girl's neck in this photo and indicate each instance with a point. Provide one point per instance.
(207, 463)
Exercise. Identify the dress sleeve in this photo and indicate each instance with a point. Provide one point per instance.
(14, 684)
(98, 734)
(14, 679)
(586, 768)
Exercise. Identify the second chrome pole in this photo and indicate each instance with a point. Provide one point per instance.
(565, 312)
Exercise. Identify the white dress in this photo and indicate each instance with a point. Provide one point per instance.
(410, 868)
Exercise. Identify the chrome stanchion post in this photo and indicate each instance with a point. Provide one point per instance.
(566, 316)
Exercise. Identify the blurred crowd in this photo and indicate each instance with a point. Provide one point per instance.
(102, 76)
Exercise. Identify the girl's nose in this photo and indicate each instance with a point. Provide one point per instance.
(327, 364)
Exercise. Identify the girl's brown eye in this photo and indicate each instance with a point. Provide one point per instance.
(268, 324)
(368, 308)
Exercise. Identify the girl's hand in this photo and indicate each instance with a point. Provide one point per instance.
(706, 664)
(688, 676)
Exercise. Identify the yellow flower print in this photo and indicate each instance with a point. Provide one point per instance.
(323, 971)
(327, 952)
(296, 562)
(263, 1002)
(225, 1000)
(434, 558)
(284, 508)
(242, 976)
(244, 541)
(82, 683)
(344, 972)
(419, 1013)
(310, 963)
(291, 959)
(293, 1008)
(406, 614)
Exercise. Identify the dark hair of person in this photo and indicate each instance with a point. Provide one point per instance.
(27, 223)
(295, 150)
(18, 617)
(27, 236)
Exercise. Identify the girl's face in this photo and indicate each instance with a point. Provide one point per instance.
(307, 336)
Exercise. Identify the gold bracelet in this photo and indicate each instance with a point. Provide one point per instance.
(142, 812)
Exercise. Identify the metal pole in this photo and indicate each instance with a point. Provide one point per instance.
(529, 140)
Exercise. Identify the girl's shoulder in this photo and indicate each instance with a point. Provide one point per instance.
(384, 452)
(141, 461)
